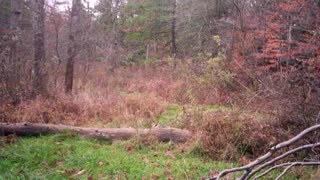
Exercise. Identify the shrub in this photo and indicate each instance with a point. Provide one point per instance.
(230, 136)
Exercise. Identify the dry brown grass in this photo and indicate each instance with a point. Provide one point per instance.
(135, 96)
(124, 95)
(85, 108)
(236, 135)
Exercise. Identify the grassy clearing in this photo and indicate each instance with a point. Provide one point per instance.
(67, 156)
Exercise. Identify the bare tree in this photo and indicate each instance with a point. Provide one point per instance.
(15, 17)
(73, 44)
(56, 20)
(38, 71)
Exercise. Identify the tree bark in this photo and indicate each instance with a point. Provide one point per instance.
(73, 44)
(13, 68)
(38, 71)
(16, 7)
(173, 29)
(109, 134)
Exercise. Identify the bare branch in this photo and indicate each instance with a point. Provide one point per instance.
(290, 164)
(281, 157)
(248, 168)
(285, 171)
(296, 138)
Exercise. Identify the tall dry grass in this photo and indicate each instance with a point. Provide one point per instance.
(137, 95)
(122, 96)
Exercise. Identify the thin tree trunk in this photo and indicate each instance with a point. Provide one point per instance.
(218, 8)
(173, 30)
(16, 6)
(15, 17)
(115, 11)
(58, 55)
(57, 31)
(73, 44)
(147, 51)
(38, 72)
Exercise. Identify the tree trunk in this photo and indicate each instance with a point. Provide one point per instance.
(109, 134)
(115, 9)
(73, 44)
(147, 51)
(173, 29)
(16, 6)
(218, 6)
(13, 68)
(38, 71)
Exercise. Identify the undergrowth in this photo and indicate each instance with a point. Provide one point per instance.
(228, 124)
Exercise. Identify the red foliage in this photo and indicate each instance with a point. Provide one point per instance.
(282, 31)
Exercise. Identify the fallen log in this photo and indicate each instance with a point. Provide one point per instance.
(109, 134)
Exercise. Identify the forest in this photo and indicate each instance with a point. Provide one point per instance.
(160, 89)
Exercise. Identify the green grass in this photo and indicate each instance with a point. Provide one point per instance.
(66, 156)
(169, 117)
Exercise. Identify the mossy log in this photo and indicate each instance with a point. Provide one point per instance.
(109, 134)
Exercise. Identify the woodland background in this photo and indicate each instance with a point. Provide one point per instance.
(241, 74)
